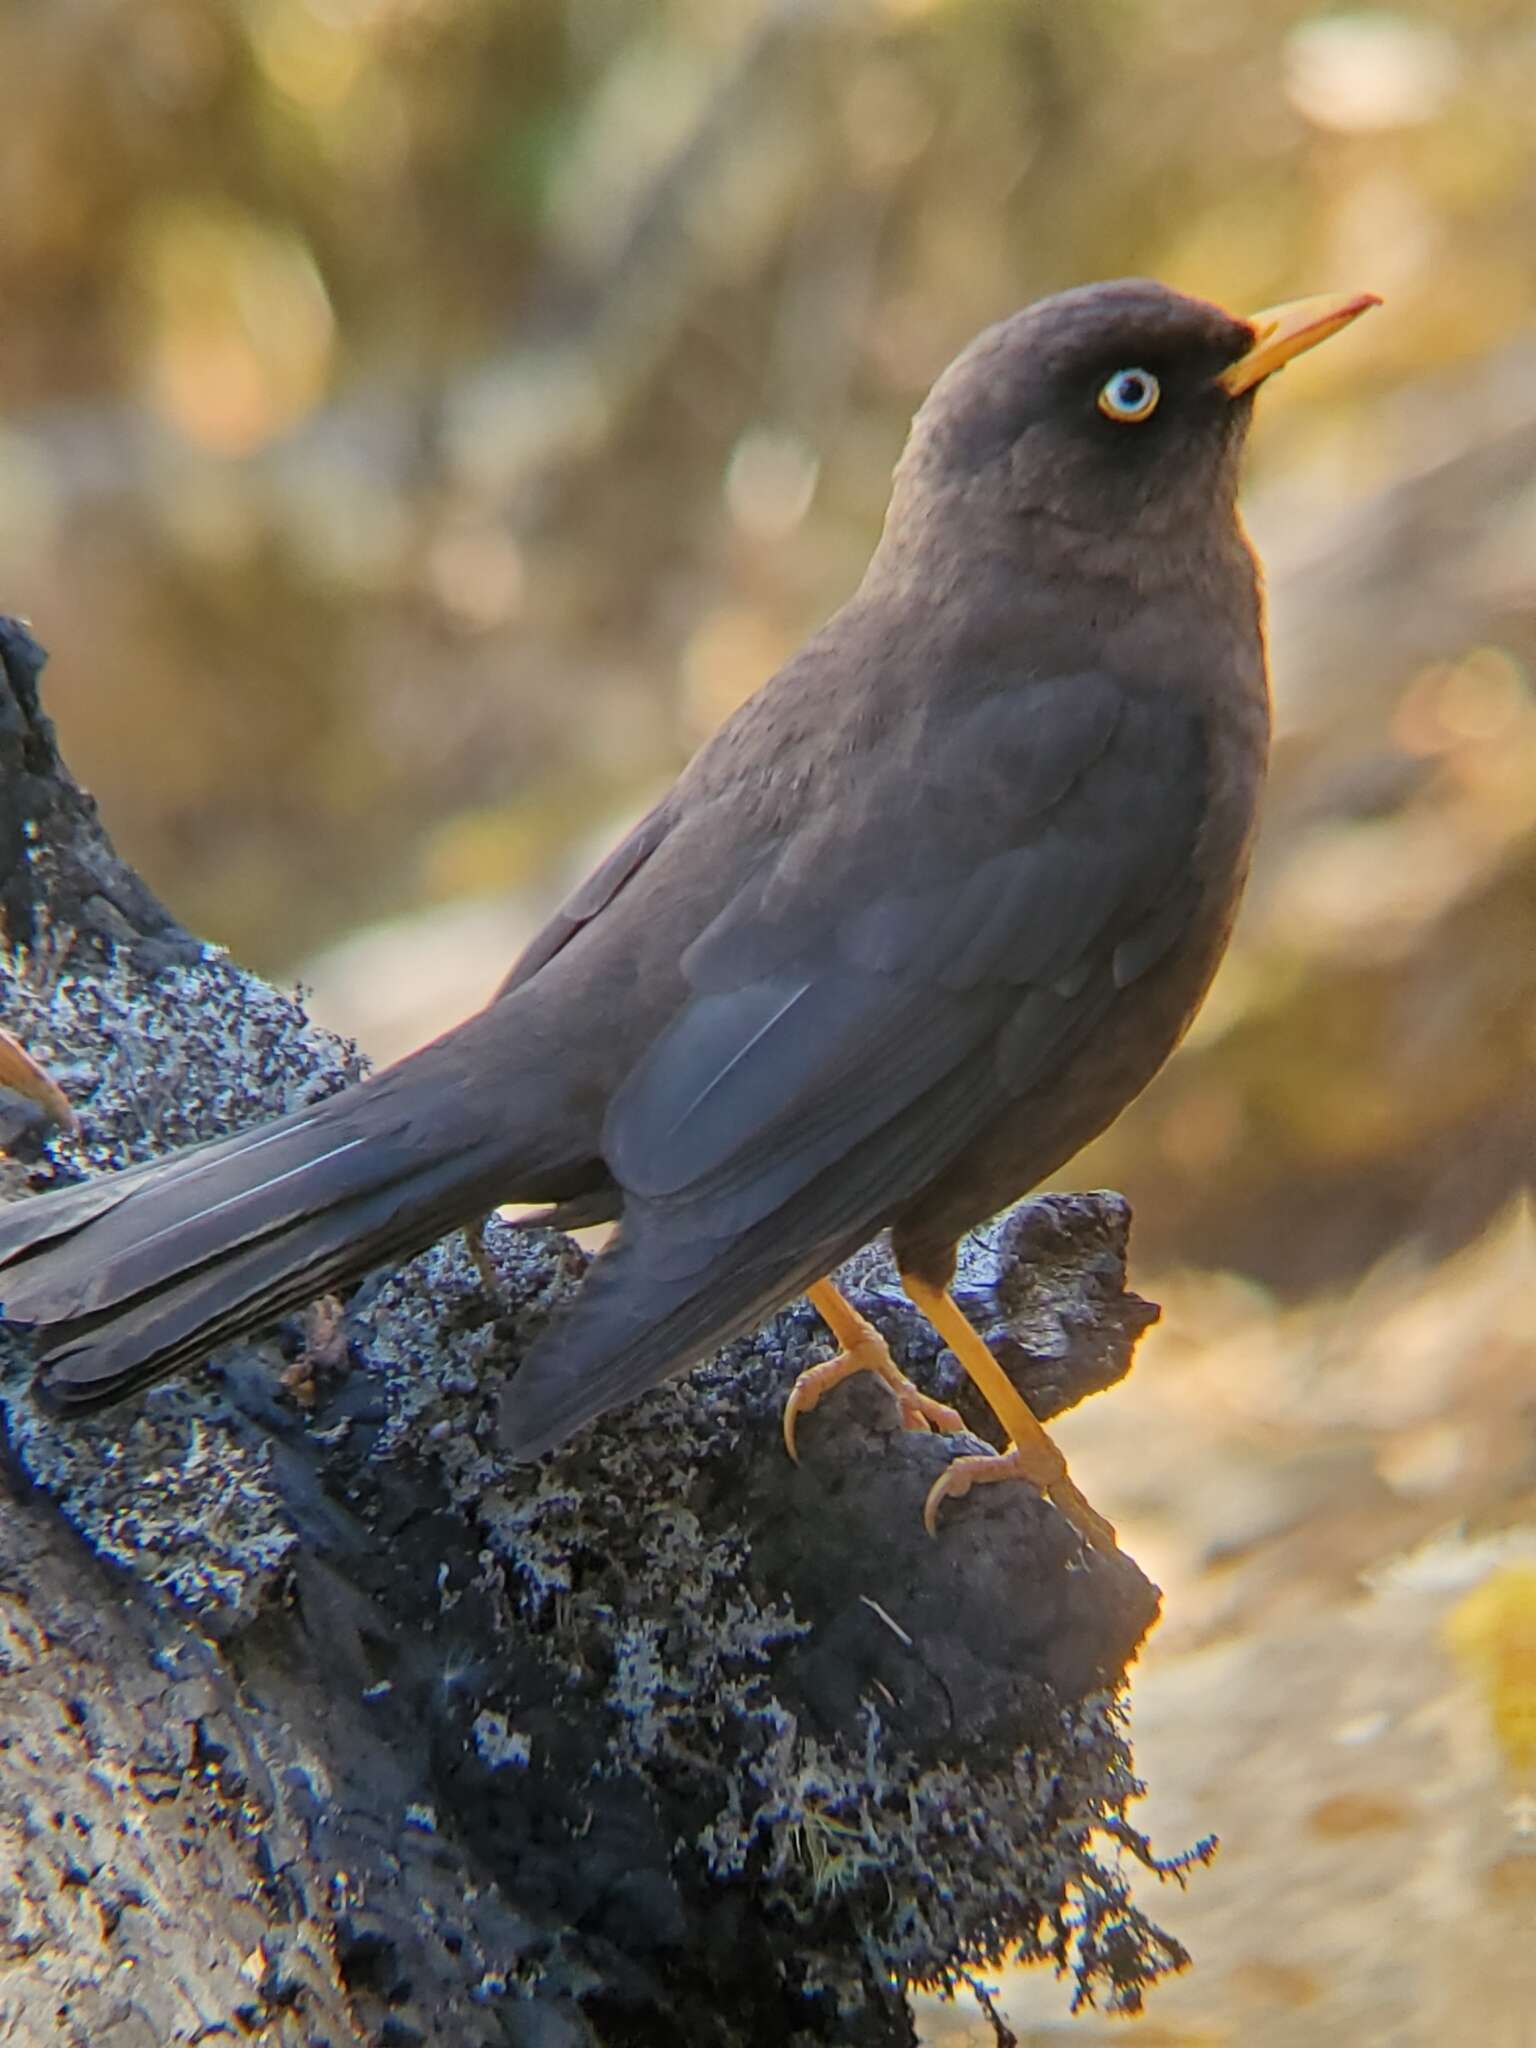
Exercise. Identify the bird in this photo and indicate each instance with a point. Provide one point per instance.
(916, 924)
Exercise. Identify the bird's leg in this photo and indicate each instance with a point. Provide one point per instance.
(480, 1256)
(19, 1071)
(861, 1348)
(1031, 1456)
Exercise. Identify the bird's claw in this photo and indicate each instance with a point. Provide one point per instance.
(1049, 1478)
(917, 1410)
(921, 1411)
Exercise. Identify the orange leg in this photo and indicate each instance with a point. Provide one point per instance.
(1031, 1456)
(18, 1070)
(480, 1257)
(861, 1348)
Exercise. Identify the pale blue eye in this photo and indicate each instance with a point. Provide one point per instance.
(1128, 396)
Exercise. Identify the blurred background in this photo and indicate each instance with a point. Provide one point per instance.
(422, 420)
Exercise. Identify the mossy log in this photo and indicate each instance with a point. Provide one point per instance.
(322, 1723)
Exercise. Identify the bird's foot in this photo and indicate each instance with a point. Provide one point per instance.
(864, 1350)
(1042, 1467)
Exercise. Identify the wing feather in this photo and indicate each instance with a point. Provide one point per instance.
(849, 1034)
(755, 1090)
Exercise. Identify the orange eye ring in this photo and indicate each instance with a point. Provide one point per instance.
(1129, 396)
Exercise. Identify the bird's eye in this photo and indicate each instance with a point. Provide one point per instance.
(1128, 396)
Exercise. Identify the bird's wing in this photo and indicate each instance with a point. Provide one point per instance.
(777, 1066)
(844, 1040)
(589, 898)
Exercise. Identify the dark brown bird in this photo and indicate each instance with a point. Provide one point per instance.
(914, 926)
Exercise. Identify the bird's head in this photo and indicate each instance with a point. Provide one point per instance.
(1117, 411)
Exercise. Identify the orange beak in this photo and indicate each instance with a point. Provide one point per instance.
(1280, 332)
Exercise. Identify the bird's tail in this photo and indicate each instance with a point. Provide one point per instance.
(132, 1275)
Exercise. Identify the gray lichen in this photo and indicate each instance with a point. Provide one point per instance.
(904, 1757)
(214, 1050)
(176, 1491)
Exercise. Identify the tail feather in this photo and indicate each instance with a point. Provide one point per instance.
(633, 1326)
(96, 1358)
(129, 1277)
(112, 1241)
(26, 1227)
